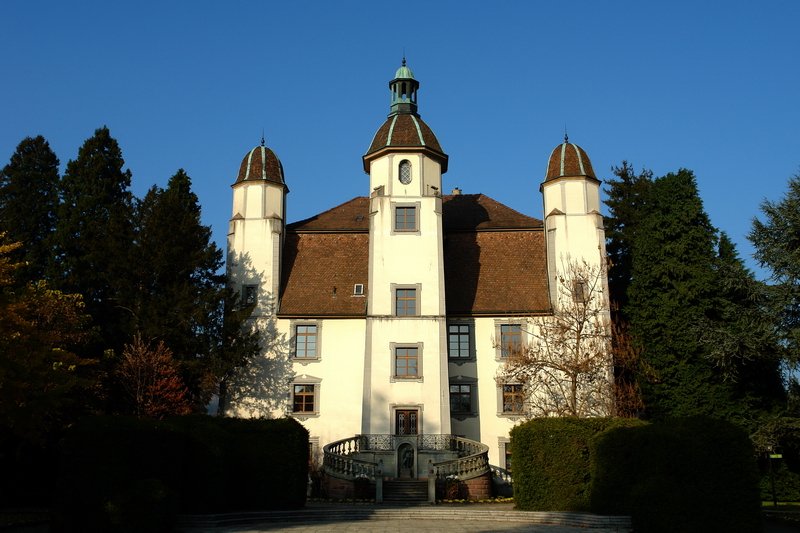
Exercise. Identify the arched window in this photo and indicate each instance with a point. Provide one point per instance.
(405, 172)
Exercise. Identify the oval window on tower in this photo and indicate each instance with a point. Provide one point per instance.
(405, 171)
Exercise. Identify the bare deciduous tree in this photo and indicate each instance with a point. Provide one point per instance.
(566, 367)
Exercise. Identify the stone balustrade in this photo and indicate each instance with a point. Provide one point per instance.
(341, 457)
(472, 460)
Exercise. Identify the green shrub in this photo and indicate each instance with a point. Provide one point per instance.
(688, 475)
(128, 474)
(551, 462)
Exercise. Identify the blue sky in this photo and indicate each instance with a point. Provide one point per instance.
(709, 86)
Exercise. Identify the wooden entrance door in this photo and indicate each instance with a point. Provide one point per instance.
(405, 421)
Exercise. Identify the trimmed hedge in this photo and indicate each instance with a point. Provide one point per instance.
(128, 474)
(551, 461)
(688, 475)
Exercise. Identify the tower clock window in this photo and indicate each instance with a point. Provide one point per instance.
(404, 172)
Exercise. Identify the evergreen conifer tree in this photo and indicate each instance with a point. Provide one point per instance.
(180, 286)
(670, 293)
(28, 203)
(625, 198)
(697, 314)
(93, 237)
(777, 243)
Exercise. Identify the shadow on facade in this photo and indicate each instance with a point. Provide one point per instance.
(462, 215)
(259, 388)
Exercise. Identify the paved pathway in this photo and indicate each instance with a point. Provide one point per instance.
(473, 518)
(417, 526)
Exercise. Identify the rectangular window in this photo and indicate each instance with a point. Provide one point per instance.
(458, 341)
(405, 218)
(580, 291)
(513, 398)
(406, 302)
(460, 399)
(510, 339)
(406, 422)
(249, 294)
(303, 398)
(406, 362)
(306, 341)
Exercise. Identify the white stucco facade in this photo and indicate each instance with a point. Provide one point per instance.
(355, 301)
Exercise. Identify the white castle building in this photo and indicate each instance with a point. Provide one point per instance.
(397, 306)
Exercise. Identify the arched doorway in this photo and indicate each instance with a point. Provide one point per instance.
(406, 461)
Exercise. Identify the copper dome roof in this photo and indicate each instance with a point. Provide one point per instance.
(570, 160)
(261, 163)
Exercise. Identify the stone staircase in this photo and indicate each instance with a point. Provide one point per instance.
(410, 491)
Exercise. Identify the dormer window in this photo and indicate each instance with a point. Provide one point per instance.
(358, 289)
(404, 172)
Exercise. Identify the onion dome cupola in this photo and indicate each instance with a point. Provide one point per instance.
(569, 160)
(261, 164)
(404, 130)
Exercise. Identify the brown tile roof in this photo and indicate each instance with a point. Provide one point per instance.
(568, 159)
(261, 163)
(494, 260)
(319, 272)
(352, 215)
(479, 212)
(405, 131)
(401, 130)
(495, 272)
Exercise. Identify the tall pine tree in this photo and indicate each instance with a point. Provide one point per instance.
(28, 203)
(93, 237)
(180, 289)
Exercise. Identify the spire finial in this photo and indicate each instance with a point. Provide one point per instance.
(404, 59)
(566, 137)
(262, 136)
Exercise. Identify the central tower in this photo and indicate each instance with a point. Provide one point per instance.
(405, 367)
